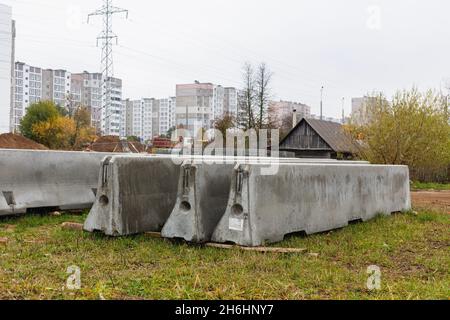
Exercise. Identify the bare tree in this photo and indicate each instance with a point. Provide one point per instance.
(247, 99)
(263, 94)
(225, 122)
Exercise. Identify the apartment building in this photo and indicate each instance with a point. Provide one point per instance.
(7, 34)
(231, 101)
(200, 104)
(86, 90)
(166, 114)
(360, 109)
(56, 86)
(280, 109)
(148, 117)
(110, 116)
(27, 90)
(126, 122)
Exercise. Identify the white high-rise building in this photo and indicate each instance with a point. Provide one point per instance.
(147, 118)
(231, 101)
(167, 115)
(28, 90)
(142, 123)
(110, 117)
(7, 34)
(200, 104)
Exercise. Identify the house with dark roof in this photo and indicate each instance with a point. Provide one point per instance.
(312, 138)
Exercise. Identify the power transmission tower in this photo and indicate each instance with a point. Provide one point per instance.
(107, 37)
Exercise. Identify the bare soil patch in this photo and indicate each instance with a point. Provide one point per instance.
(438, 200)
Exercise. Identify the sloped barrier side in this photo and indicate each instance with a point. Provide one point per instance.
(203, 190)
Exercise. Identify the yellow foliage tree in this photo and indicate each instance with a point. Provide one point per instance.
(412, 130)
(84, 133)
(56, 133)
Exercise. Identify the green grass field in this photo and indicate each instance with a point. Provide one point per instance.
(430, 186)
(412, 251)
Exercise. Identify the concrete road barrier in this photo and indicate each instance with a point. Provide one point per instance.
(203, 193)
(138, 194)
(47, 179)
(308, 198)
(135, 195)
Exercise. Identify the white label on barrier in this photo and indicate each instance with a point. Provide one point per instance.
(236, 224)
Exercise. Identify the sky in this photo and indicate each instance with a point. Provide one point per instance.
(350, 47)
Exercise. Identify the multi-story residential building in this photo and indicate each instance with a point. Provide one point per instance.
(281, 109)
(86, 90)
(56, 86)
(166, 115)
(231, 101)
(142, 119)
(200, 104)
(360, 109)
(6, 62)
(126, 122)
(33, 84)
(218, 102)
(195, 106)
(27, 90)
(13, 81)
(110, 116)
(147, 118)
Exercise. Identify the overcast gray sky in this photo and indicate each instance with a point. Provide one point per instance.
(351, 47)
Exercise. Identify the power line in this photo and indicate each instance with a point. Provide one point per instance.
(107, 37)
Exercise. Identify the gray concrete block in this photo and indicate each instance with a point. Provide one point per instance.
(203, 193)
(32, 179)
(308, 198)
(134, 195)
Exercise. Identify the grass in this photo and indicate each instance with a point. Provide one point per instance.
(417, 186)
(411, 249)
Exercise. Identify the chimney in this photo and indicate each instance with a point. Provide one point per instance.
(294, 118)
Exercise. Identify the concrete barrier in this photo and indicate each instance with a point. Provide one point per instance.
(135, 195)
(47, 179)
(203, 193)
(308, 198)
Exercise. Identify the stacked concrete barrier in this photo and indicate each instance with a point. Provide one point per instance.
(308, 198)
(203, 193)
(47, 179)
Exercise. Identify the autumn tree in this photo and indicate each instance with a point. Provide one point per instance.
(412, 129)
(42, 111)
(84, 132)
(56, 133)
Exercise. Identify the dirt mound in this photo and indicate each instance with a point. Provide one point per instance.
(113, 144)
(15, 141)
